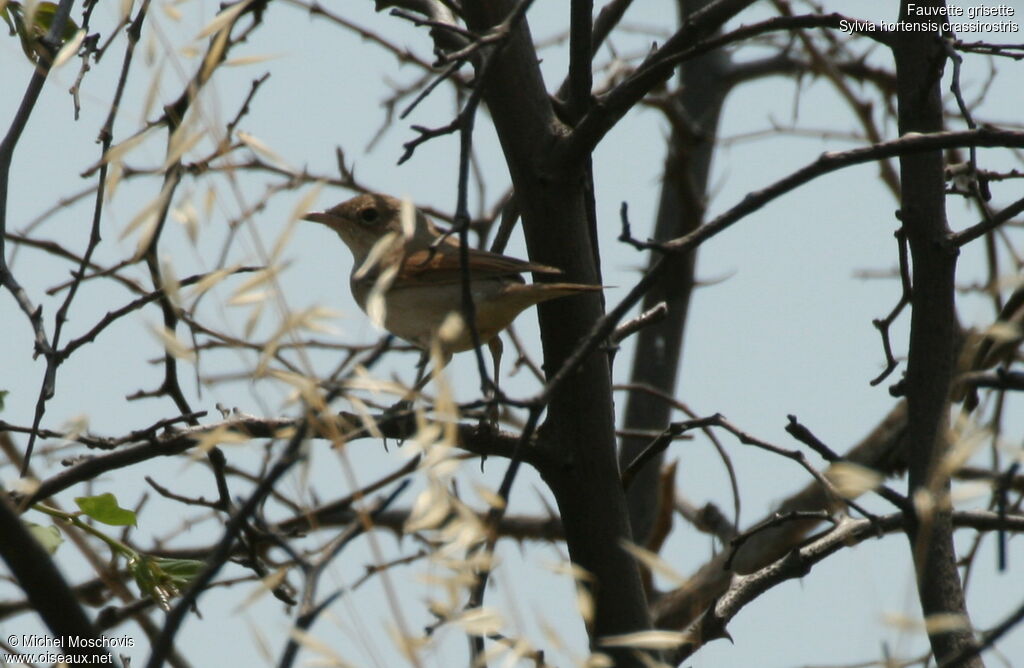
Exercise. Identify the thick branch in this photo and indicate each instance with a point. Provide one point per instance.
(933, 333)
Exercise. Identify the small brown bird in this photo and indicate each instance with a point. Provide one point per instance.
(407, 275)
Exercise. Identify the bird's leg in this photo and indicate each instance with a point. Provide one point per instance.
(421, 373)
(493, 409)
(422, 378)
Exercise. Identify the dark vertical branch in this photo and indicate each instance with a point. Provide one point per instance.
(579, 430)
(50, 43)
(163, 646)
(930, 365)
(45, 588)
(580, 52)
(693, 113)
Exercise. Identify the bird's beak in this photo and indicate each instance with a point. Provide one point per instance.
(318, 217)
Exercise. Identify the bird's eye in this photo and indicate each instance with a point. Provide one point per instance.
(369, 214)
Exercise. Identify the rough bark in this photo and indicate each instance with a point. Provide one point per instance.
(919, 59)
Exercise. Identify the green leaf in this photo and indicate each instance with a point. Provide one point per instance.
(41, 20)
(179, 571)
(162, 579)
(104, 508)
(142, 570)
(48, 536)
(5, 13)
(45, 11)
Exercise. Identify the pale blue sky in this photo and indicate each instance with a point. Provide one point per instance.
(784, 327)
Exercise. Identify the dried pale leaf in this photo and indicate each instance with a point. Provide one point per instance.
(114, 174)
(446, 408)
(585, 604)
(375, 385)
(653, 562)
(552, 637)
(452, 583)
(901, 622)
(221, 435)
(317, 318)
(214, 55)
(924, 503)
(223, 19)
(308, 319)
(148, 213)
(69, 49)
(209, 201)
(172, 12)
(262, 642)
(598, 660)
(180, 144)
(946, 622)
(426, 441)
(489, 496)
(407, 214)
(75, 427)
(266, 585)
(577, 573)
(270, 349)
(440, 609)
(170, 284)
(254, 319)
(172, 345)
(149, 52)
(480, 621)
(27, 485)
(29, 9)
(376, 307)
(248, 298)
(1002, 331)
(645, 640)
(305, 203)
(463, 532)
(117, 152)
(145, 237)
(385, 248)
(213, 278)
(188, 216)
(268, 274)
(482, 560)
(251, 60)
(369, 422)
(282, 240)
(409, 646)
(306, 386)
(152, 91)
(126, 8)
(261, 147)
(452, 328)
(852, 480)
(521, 649)
(972, 438)
(492, 653)
(430, 509)
(313, 644)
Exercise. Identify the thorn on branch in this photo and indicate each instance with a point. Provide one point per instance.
(805, 436)
(626, 236)
(883, 324)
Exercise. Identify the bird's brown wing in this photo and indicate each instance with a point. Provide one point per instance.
(441, 265)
